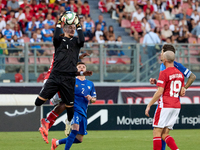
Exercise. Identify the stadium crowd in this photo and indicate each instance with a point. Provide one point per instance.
(34, 21)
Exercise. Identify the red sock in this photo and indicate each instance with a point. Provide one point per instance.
(52, 117)
(171, 143)
(157, 143)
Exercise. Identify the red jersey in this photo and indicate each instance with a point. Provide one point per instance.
(151, 8)
(34, 8)
(44, 8)
(137, 25)
(37, 15)
(85, 10)
(18, 77)
(73, 8)
(50, 69)
(53, 7)
(41, 77)
(172, 80)
(28, 16)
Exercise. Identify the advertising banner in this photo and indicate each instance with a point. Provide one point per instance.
(19, 118)
(142, 95)
(128, 117)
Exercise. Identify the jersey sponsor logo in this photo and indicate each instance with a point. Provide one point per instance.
(103, 114)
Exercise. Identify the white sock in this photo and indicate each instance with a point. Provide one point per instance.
(57, 142)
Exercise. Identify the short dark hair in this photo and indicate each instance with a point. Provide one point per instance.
(46, 68)
(18, 69)
(80, 63)
(86, 2)
(168, 47)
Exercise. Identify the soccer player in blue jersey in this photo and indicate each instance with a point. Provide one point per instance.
(186, 72)
(84, 93)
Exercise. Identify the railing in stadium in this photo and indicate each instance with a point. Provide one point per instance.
(131, 66)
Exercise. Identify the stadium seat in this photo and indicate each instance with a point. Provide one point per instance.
(44, 60)
(198, 40)
(176, 22)
(95, 60)
(13, 60)
(31, 60)
(26, 39)
(125, 23)
(86, 60)
(157, 23)
(164, 22)
(192, 40)
(126, 59)
(194, 60)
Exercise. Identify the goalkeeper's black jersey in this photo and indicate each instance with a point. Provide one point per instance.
(66, 52)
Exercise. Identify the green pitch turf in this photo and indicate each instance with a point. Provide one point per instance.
(99, 140)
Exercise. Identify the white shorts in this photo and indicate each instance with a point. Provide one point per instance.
(56, 98)
(165, 117)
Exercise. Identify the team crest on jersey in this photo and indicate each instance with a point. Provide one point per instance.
(88, 87)
(76, 85)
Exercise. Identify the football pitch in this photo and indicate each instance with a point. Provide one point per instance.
(99, 140)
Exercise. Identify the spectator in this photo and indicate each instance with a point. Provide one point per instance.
(101, 40)
(158, 32)
(25, 4)
(149, 17)
(50, 11)
(119, 46)
(34, 46)
(47, 34)
(2, 5)
(50, 22)
(145, 25)
(13, 5)
(43, 5)
(129, 9)
(148, 5)
(170, 5)
(136, 29)
(88, 28)
(196, 6)
(7, 32)
(189, 12)
(178, 11)
(3, 13)
(168, 41)
(55, 7)
(195, 16)
(191, 25)
(184, 35)
(40, 23)
(85, 9)
(110, 5)
(28, 14)
(16, 46)
(120, 9)
(66, 7)
(138, 14)
(111, 32)
(42, 75)
(150, 40)
(39, 14)
(39, 35)
(172, 26)
(12, 22)
(105, 33)
(31, 27)
(73, 6)
(34, 6)
(141, 3)
(18, 75)
(159, 10)
(176, 32)
(101, 21)
(17, 32)
(98, 32)
(111, 44)
(102, 6)
(173, 39)
(166, 32)
(10, 16)
(2, 24)
(20, 16)
(183, 22)
(3, 51)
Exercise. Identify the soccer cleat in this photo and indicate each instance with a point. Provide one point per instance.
(43, 135)
(53, 144)
(45, 126)
(67, 128)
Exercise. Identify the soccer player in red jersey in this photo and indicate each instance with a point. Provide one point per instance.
(170, 86)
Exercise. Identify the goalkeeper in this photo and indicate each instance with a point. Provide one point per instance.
(62, 77)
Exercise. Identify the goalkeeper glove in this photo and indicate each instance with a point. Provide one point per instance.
(60, 20)
(77, 22)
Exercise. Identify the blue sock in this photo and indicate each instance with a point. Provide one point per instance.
(70, 139)
(62, 141)
(76, 141)
(163, 145)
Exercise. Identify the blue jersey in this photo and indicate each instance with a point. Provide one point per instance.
(186, 72)
(82, 89)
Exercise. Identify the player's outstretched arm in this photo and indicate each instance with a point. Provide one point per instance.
(86, 73)
(156, 97)
(190, 80)
(83, 55)
(81, 38)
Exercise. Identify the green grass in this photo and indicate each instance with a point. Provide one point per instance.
(99, 140)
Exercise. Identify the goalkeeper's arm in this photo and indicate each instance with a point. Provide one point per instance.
(81, 38)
